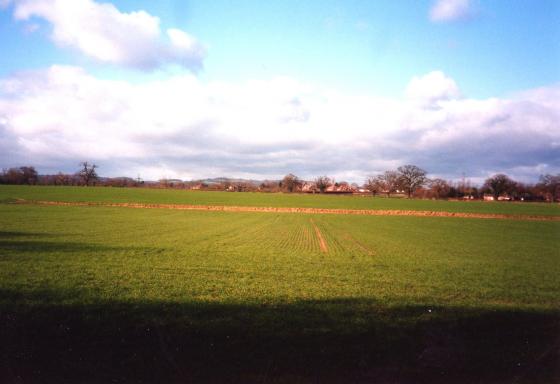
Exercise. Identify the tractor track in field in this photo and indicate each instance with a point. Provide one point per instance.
(322, 242)
(335, 211)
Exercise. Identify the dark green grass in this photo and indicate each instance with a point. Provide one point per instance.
(90, 294)
(143, 195)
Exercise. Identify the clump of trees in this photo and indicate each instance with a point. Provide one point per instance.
(387, 183)
(28, 175)
(19, 176)
(413, 182)
(291, 183)
(499, 185)
(322, 183)
(407, 178)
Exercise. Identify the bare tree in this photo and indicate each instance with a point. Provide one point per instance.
(439, 188)
(87, 173)
(411, 178)
(322, 183)
(21, 175)
(291, 183)
(499, 184)
(29, 175)
(550, 186)
(387, 182)
(372, 185)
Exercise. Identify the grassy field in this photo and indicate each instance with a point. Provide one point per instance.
(97, 294)
(166, 196)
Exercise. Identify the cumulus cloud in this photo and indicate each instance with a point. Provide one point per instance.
(183, 127)
(432, 88)
(103, 33)
(451, 10)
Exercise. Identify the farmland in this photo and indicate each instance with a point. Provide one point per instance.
(165, 196)
(117, 295)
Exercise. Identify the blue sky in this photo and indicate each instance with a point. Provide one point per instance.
(367, 53)
(361, 45)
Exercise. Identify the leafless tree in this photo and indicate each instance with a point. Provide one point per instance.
(87, 173)
(499, 184)
(549, 185)
(387, 182)
(291, 183)
(439, 188)
(411, 178)
(372, 185)
(21, 175)
(322, 183)
(62, 179)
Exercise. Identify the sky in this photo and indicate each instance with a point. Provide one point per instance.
(197, 89)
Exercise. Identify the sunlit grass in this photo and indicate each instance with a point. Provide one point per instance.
(166, 196)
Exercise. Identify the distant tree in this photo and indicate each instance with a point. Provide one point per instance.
(62, 179)
(87, 173)
(291, 183)
(387, 182)
(377, 184)
(29, 175)
(372, 185)
(549, 185)
(11, 176)
(498, 185)
(21, 175)
(410, 178)
(439, 188)
(269, 186)
(322, 183)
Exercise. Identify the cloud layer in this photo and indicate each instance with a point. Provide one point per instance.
(182, 127)
(103, 33)
(451, 10)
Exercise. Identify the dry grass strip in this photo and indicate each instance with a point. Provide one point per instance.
(367, 212)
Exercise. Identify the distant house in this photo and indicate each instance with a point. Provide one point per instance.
(309, 188)
(199, 186)
(489, 197)
(340, 189)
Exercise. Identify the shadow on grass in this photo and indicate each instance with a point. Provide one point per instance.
(344, 340)
(16, 234)
(42, 247)
(27, 242)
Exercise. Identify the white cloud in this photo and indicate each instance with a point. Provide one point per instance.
(432, 88)
(451, 10)
(183, 127)
(101, 32)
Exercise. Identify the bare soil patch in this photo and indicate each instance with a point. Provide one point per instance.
(366, 212)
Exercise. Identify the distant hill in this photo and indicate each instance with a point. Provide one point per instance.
(222, 180)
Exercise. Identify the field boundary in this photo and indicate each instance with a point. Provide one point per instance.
(335, 211)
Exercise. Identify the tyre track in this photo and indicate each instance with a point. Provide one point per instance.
(322, 242)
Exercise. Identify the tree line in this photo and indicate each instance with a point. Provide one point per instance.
(408, 180)
(85, 176)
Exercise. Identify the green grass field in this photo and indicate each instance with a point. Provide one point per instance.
(97, 294)
(166, 196)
